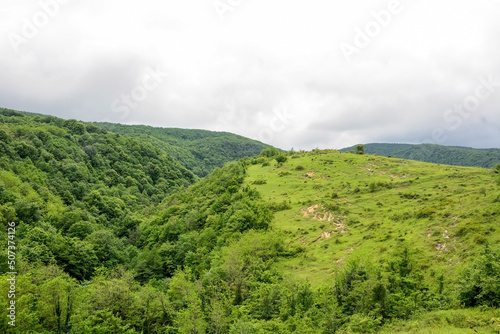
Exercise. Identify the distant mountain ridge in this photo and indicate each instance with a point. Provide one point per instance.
(439, 154)
(200, 151)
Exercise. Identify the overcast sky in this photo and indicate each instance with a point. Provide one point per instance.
(295, 74)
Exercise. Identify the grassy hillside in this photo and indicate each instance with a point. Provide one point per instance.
(352, 215)
(198, 150)
(339, 205)
(449, 155)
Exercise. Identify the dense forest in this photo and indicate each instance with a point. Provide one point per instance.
(438, 154)
(200, 151)
(115, 235)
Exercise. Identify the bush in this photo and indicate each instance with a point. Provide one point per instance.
(359, 323)
(281, 159)
(425, 213)
(285, 205)
(480, 281)
(270, 152)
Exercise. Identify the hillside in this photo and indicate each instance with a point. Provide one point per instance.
(340, 205)
(198, 150)
(112, 235)
(448, 155)
(359, 219)
(75, 180)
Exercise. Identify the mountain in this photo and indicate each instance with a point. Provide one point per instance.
(108, 233)
(198, 150)
(448, 155)
(368, 227)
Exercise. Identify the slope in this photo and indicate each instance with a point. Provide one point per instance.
(449, 155)
(341, 205)
(76, 180)
(198, 150)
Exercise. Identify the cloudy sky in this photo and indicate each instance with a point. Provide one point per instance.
(296, 74)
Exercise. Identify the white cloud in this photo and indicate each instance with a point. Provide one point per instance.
(234, 74)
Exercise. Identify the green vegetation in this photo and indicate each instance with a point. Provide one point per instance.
(200, 151)
(448, 155)
(114, 235)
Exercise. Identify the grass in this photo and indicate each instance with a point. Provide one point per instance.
(344, 205)
(479, 320)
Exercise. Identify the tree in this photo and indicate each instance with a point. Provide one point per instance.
(480, 281)
(360, 149)
(281, 159)
(270, 152)
(107, 247)
(27, 211)
(186, 301)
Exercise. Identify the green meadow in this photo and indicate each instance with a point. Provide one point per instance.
(337, 206)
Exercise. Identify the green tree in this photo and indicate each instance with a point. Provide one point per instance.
(360, 149)
(27, 211)
(107, 247)
(269, 152)
(184, 294)
(480, 281)
(281, 159)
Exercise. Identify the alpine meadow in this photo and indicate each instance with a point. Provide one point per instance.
(136, 229)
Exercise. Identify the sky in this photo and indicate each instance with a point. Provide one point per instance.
(294, 74)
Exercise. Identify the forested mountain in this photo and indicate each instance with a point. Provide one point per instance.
(79, 182)
(112, 235)
(198, 150)
(449, 155)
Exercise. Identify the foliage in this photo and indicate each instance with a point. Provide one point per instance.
(480, 281)
(449, 155)
(270, 152)
(200, 151)
(75, 189)
(281, 159)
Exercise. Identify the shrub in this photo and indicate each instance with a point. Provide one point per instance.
(281, 159)
(275, 207)
(270, 152)
(409, 195)
(425, 213)
(480, 281)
